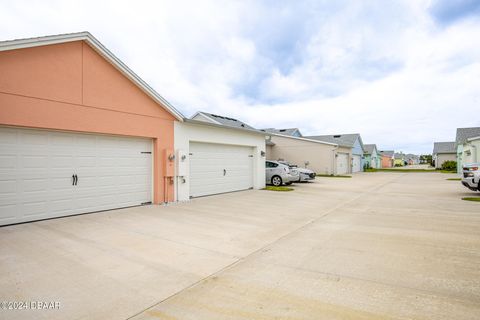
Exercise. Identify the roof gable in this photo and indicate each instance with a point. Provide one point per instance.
(444, 147)
(222, 120)
(370, 148)
(102, 51)
(295, 132)
(343, 140)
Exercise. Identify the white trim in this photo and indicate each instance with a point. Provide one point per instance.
(211, 124)
(206, 116)
(100, 49)
(473, 138)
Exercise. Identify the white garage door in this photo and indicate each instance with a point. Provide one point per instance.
(342, 163)
(356, 163)
(47, 174)
(218, 168)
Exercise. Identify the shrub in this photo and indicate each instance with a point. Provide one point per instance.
(449, 165)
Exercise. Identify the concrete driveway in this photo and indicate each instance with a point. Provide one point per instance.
(376, 246)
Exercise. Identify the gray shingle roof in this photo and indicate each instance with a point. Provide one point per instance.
(465, 133)
(343, 140)
(388, 153)
(444, 147)
(369, 148)
(288, 132)
(227, 121)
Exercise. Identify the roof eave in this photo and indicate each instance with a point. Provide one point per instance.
(301, 138)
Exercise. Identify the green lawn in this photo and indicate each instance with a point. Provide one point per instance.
(398, 170)
(280, 188)
(332, 176)
(454, 179)
(476, 199)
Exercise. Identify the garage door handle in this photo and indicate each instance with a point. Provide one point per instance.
(224, 172)
(76, 179)
(73, 179)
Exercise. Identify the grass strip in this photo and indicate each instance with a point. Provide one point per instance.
(476, 199)
(399, 170)
(332, 176)
(279, 188)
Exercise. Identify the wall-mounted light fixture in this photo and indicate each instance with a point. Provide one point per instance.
(262, 153)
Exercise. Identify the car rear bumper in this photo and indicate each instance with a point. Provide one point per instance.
(470, 183)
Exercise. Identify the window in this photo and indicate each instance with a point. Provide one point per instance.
(269, 164)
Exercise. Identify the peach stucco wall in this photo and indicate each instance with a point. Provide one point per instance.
(71, 87)
(386, 162)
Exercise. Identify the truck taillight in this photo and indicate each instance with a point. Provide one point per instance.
(470, 168)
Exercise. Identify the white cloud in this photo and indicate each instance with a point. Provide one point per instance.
(388, 71)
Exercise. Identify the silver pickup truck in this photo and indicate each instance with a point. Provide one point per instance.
(471, 176)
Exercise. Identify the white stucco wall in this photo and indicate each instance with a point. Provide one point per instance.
(192, 132)
(440, 158)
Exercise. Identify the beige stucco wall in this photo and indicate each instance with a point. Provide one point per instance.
(268, 151)
(442, 157)
(321, 157)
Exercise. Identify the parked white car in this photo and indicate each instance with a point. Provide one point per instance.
(278, 173)
(471, 176)
(304, 174)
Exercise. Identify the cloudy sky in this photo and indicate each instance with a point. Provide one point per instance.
(401, 73)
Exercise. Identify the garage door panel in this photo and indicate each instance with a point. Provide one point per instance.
(86, 162)
(31, 161)
(8, 187)
(342, 163)
(8, 137)
(61, 203)
(33, 139)
(217, 168)
(8, 161)
(8, 212)
(36, 168)
(33, 185)
(356, 163)
(34, 209)
(60, 161)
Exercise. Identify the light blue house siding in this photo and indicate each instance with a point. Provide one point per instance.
(358, 150)
(374, 159)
